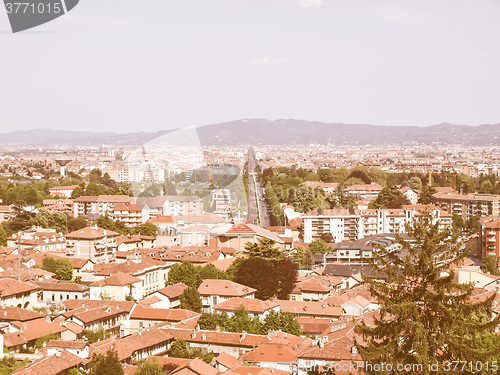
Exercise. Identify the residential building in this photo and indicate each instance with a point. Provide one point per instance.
(38, 239)
(254, 307)
(177, 205)
(18, 294)
(54, 293)
(237, 235)
(118, 287)
(128, 213)
(213, 292)
(62, 191)
(93, 243)
(221, 203)
(468, 205)
(99, 205)
(366, 192)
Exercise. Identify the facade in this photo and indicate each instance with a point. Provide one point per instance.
(490, 235)
(62, 191)
(350, 225)
(38, 239)
(176, 205)
(119, 287)
(128, 213)
(213, 292)
(99, 205)
(221, 202)
(18, 294)
(93, 243)
(368, 192)
(51, 293)
(468, 205)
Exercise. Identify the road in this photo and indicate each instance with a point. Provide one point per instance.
(257, 204)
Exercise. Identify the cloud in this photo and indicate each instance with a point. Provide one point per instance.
(269, 61)
(311, 3)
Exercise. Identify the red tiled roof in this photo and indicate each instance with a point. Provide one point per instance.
(16, 313)
(52, 365)
(91, 233)
(250, 304)
(31, 330)
(277, 353)
(225, 288)
(9, 287)
(119, 279)
(172, 315)
(173, 291)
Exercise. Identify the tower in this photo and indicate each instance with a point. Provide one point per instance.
(62, 163)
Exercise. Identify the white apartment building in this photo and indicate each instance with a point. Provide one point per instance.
(350, 225)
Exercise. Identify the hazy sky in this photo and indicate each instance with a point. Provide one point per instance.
(146, 65)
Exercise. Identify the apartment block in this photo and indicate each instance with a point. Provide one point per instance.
(468, 205)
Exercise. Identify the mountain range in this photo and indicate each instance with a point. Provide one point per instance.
(279, 132)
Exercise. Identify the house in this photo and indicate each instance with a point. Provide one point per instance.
(128, 213)
(5, 211)
(143, 316)
(195, 367)
(58, 205)
(25, 334)
(93, 243)
(62, 191)
(56, 364)
(237, 235)
(358, 306)
(83, 269)
(315, 288)
(118, 287)
(79, 348)
(213, 292)
(132, 242)
(152, 273)
(273, 355)
(53, 293)
(255, 307)
(366, 192)
(311, 309)
(168, 297)
(18, 293)
(92, 316)
(136, 347)
(99, 205)
(38, 239)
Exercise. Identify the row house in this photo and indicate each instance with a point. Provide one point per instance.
(93, 243)
(54, 293)
(38, 239)
(143, 317)
(468, 205)
(99, 205)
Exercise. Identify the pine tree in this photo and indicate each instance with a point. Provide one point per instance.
(191, 300)
(425, 316)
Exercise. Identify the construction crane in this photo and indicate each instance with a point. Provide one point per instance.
(212, 187)
(446, 175)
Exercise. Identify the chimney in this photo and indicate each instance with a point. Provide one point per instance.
(58, 354)
(354, 350)
(243, 335)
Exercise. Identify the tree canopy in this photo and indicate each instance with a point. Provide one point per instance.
(425, 316)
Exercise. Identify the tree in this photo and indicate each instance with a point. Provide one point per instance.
(318, 247)
(75, 223)
(415, 183)
(76, 193)
(390, 197)
(191, 300)
(96, 335)
(179, 349)
(184, 273)
(49, 264)
(149, 368)
(146, 229)
(3, 236)
(106, 365)
(490, 265)
(270, 279)
(64, 270)
(425, 316)
(426, 194)
(264, 248)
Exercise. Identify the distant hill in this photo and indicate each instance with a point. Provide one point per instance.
(300, 132)
(280, 132)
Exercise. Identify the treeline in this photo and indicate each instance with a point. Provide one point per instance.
(242, 321)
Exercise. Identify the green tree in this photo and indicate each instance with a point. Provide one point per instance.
(184, 273)
(149, 368)
(49, 264)
(76, 193)
(179, 349)
(75, 223)
(265, 248)
(415, 183)
(318, 247)
(146, 229)
(64, 270)
(490, 265)
(3, 236)
(191, 300)
(390, 197)
(96, 335)
(425, 315)
(426, 194)
(106, 365)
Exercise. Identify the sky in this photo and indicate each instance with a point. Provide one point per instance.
(149, 65)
